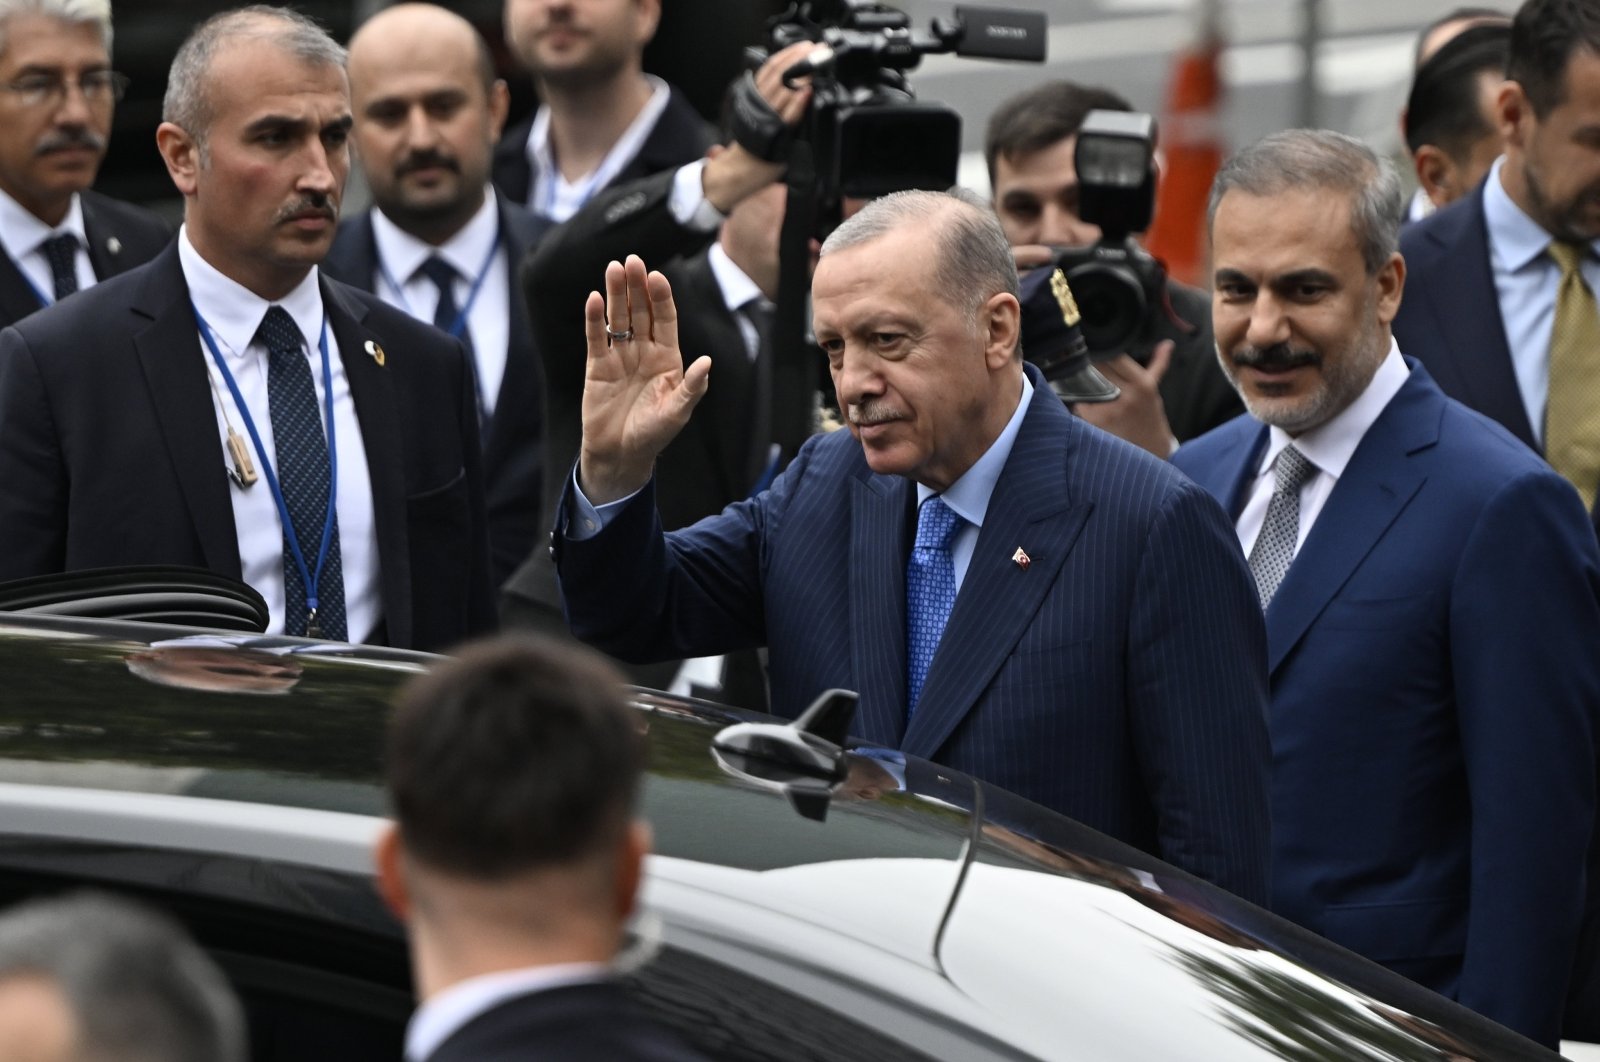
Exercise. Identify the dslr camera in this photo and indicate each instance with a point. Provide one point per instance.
(1121, 290)
(867, 135)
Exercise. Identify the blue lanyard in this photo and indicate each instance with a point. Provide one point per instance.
(310, 580)
(458, 327)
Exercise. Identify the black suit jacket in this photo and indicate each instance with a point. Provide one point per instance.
(109, 450)
(121, 236)
(574, 1023)
(513, 442)
(706, 466)
(680, 135)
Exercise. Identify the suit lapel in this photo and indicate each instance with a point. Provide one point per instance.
(1229, 475)
(106, 253)
(879, 510)
(1031, 509)
(174, 366)
(1467, 307)
(372, 392)
(520, 379)
(17, 298)
(1376, 486)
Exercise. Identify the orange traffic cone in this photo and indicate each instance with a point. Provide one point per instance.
(1191, 136)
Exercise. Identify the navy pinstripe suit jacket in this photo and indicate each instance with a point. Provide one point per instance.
(1120, 678)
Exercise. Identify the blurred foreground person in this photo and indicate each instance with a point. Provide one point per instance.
(1432, 599)
(515, 858)
(93, 978)
(1014, 593)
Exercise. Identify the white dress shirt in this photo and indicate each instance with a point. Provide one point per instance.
(23, 237)
(738, 291)
(402, 284)
(1328, 446)
(1526, 280)
(443, 1014)
(552, 195)
(233, 313)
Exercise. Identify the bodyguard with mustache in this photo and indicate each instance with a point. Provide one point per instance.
(1432, 600)
(440, 244)
(1014, 593)
(228, 407)
(57, 92)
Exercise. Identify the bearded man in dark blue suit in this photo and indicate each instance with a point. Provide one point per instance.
(1085, 632)
(1432, 600)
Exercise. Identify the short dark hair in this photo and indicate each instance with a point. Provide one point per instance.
(1460, 14)
(1044, 115)
(1544, 36)
(520, 754)
(138, 987)
(1442, 109)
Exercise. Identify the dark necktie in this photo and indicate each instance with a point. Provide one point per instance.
(443, 275)
(62, 254)
(304, 476)
(1273, 552)
(759, 312)
(930, 591)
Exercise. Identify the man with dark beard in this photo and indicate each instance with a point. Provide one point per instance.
(1432, 599)
(1501, 306)
(56, 236)
(441, 245)
(601, 120)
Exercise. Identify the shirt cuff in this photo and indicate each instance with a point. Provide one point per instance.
(688, 201)
(584, 520)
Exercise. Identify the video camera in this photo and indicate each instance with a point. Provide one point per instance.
(867, 134)
(1121, 290)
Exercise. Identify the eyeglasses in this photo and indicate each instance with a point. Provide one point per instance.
(39, 90)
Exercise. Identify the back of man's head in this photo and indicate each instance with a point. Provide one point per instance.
(1443, 107)
(1041, 117)
(1442, 30)
(519, 755)
(134, 987)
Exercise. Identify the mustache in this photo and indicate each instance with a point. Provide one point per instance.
(314, 204)
(861, 414)
(426, 159)
(1276, 358)
(62, 139)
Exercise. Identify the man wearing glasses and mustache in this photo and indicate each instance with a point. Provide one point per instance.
(226, 406)
(57, 92)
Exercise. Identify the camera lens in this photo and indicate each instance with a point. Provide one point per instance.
(1112, 302)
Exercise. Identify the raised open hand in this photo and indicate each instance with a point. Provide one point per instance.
(637, 395)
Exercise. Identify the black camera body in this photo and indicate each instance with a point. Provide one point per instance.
(1119, 287)
(867, 134)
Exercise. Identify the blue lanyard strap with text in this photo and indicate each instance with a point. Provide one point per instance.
(309, 579)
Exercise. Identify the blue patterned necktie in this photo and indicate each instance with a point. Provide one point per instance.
(304, 476)
(930, 591)
(62, 254)
(1273, 552)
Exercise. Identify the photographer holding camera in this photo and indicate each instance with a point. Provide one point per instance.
(1172, 388)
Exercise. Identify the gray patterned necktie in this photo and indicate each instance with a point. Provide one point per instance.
(1273, 552)
(62, 254)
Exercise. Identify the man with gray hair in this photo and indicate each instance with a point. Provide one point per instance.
(1013, 593)
(93, 977)
(57, 92)
(225, 406)
(1432, 600)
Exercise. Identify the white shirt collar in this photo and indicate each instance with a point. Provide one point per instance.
(969, 495)
(1515, 239)
(234, 312)
(402, 254)
(1329, 446)
(737, 287)
(22, 233)
(442, 1015)
(543, 158)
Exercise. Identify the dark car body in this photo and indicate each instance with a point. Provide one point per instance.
(946, 920)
